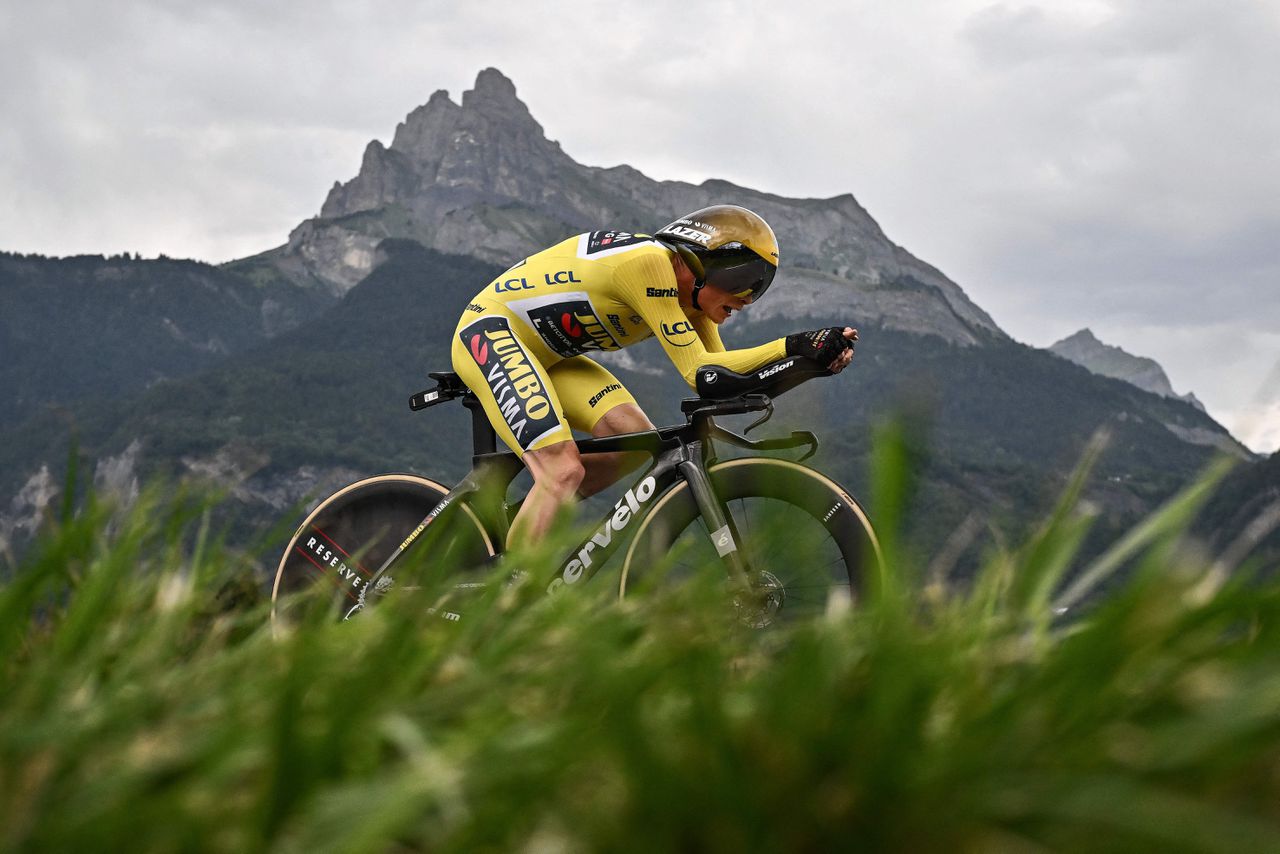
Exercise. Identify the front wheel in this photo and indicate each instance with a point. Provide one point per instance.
(805, 539)
(348, 536)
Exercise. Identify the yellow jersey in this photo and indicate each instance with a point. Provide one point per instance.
(522, 342)
(606, 290)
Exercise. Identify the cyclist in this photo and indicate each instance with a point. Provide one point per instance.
(521, 341)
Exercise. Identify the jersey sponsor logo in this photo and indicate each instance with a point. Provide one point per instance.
(479, 350)
(475, 307)
(570, 325)
(768, 372)
(680, 329)
(513, 379)
(600, 395)
(616, 323)
(601, 244)
(566, 323)
(627, 507)
(661, 292)
(709, 377)
(514, 285)
(561, 277)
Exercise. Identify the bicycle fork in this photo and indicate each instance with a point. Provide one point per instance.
(719, 527)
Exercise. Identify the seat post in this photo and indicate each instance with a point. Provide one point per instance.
(483, 439)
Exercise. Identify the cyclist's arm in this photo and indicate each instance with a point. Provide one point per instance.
(679, 337)
(709, 332)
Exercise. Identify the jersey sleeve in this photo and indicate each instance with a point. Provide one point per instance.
(709, 332)
(648, 284)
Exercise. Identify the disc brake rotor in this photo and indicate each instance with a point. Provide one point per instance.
(759, 606)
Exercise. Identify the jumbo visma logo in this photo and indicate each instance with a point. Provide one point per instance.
(515, 382)
(570, 325)
(479, 350)
(566, 323)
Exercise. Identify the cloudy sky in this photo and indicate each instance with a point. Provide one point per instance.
(1114, 165)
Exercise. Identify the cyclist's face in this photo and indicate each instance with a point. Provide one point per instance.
(718, 305)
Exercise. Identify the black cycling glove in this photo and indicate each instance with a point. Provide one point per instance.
(824, 346)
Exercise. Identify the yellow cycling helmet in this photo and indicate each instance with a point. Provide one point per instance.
(727, 247)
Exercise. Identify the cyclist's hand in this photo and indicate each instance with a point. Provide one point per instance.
(832, 348)
(842, 361)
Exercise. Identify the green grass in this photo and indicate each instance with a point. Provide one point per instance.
(148, 706)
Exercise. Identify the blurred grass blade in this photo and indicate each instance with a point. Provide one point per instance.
(1057, 542)
(1171, 518)
(142, 710)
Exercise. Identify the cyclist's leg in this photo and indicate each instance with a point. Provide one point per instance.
(525, 411)
(602, 470)
(595, 402)
(557, 471)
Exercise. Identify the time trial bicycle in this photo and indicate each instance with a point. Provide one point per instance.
(790, 540)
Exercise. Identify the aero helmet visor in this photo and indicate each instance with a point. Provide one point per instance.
(736, 269)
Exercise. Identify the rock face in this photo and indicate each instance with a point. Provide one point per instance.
(1086, 350)
(27, 509)
(482, 179)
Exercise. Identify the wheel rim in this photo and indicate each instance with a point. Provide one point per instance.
(817, 542)
(348, 536)
(798, 570)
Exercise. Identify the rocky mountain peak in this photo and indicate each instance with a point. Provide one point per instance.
(493, 91)
(1083, 338)
(1085, 349)
(490, 140)
(480, 178)
(491, 107)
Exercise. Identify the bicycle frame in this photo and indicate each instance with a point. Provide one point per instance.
(680, 453)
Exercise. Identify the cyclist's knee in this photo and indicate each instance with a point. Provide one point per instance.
(557, 468)
(623, 418)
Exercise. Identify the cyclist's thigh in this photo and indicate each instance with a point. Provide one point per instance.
(586, 391)
(513, 386)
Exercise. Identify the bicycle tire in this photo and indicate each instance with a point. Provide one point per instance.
(672, 532)
(348, 535)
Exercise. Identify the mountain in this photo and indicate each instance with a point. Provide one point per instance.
(1085, 349)
(482, 179)
(285, 374)
(92, 328)
(1247, 509)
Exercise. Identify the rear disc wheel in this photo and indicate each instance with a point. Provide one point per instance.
(348, 536)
